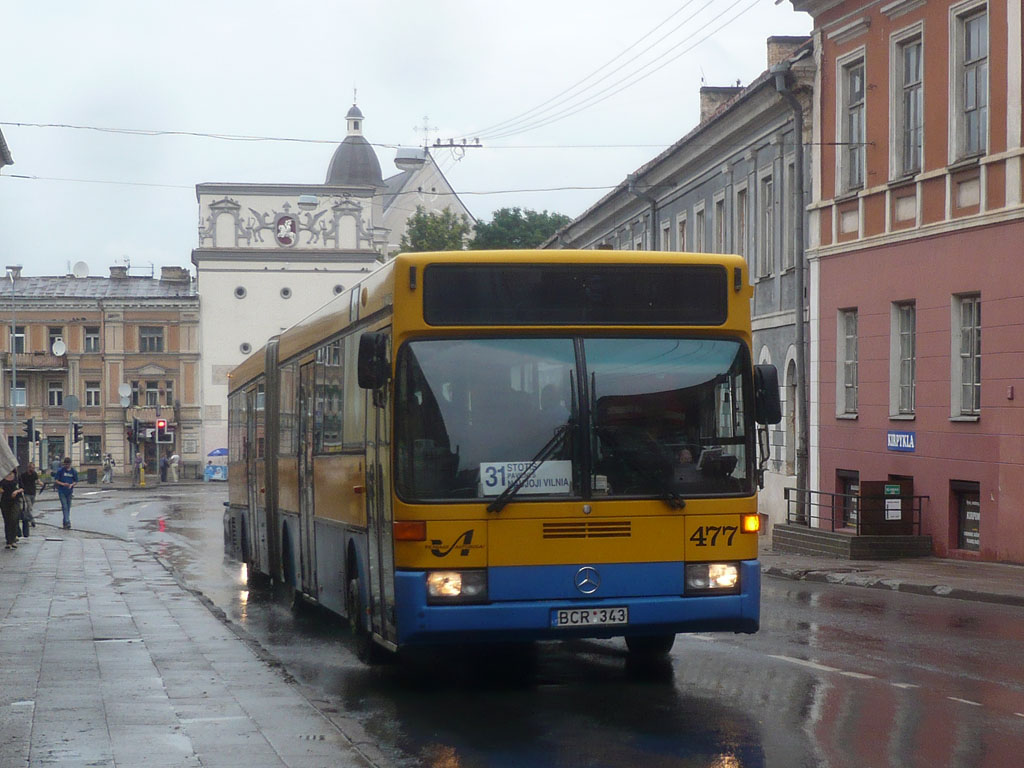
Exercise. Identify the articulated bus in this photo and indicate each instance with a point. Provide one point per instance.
(511, 446)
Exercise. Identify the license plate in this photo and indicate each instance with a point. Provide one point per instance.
(589, 617)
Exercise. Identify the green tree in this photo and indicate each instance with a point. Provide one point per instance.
(517, 228)
(444, 231)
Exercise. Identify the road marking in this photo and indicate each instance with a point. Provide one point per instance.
(904, 685)
(964, 701)
(139, 509)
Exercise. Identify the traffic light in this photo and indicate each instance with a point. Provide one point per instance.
(161, 431)
(135, 436)
(30, 428)
(38, 436)
(78, 432)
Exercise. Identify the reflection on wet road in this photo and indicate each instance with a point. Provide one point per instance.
(838, 676)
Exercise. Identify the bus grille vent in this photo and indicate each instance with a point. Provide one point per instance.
(589, 529)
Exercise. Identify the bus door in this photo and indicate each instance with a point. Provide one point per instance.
(254, 481)
(380, 513)
(307, 540)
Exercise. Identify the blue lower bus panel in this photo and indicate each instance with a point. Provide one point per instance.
(543, 603)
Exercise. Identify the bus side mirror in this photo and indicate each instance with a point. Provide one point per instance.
(373, 365)
(767, 406)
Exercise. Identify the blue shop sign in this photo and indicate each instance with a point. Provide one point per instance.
(901, 441)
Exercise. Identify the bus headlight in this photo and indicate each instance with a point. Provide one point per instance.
(712, 577)
(456, 586)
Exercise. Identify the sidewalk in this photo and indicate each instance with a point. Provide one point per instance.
(107, 660)
(982, 582)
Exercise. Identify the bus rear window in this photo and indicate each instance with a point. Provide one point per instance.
(567, 294)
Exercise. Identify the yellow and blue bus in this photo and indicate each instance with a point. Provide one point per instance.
(511, 446)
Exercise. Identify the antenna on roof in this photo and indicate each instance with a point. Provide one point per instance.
(81, 269)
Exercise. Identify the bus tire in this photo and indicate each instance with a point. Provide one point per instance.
(367, 651)
(650, 646)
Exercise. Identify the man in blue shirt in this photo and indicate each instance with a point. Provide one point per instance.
(65, 479)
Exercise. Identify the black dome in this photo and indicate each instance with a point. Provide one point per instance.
(354, 162)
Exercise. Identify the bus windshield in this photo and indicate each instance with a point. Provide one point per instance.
(653, 417)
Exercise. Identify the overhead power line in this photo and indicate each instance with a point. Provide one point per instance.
(626, 81)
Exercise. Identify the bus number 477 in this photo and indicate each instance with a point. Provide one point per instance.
(708, 535)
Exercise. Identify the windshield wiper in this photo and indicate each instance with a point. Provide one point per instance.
(552, 445)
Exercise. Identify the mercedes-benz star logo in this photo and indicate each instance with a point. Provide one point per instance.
(587, 580)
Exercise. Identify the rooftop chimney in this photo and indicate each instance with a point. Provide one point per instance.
(712, 98)
(781, 47)
(118, 273)
(174, 275)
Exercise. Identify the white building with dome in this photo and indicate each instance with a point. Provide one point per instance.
(269, 254)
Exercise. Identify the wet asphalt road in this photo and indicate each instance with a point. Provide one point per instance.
(838, 676)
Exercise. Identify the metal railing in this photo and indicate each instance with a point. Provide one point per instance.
(843, 511)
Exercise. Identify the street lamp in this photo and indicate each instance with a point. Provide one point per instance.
(14, 371)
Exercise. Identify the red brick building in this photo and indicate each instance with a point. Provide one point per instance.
(917, 286)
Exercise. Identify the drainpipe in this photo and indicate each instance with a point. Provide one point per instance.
(631, 179)
(781, 72)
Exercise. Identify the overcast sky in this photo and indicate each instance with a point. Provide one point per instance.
(567, 73)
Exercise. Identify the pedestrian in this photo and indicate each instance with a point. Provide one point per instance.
(164, 461)
(108, 469)
(9, 506)
(65, 480)
(173, 465)
(29, 482)
(137, 471)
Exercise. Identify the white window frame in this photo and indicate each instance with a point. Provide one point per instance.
(17, 339)
(965, 357)
(91, 337)
(851, 154)
(681, 227)
(789, 214)
(741, 220)
(903, 93)
(54, 394)
(152, 394)
(721, 237)
(666, 236)
(959, 72)
(700, 229)
(902, 359)
(847, 364)
(169, 392)
(18, 396)
(92, 394)
(766, 222)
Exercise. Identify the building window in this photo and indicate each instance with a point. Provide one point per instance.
(17, 341)
(720, 246)
(966, 374)
(92, 339)
(972, 83)
(766, 223)
(851, 136)
(909, 107)
(55, 394)
(169, 393)
(152, 393)
(92, 394)
(740, 241)
(55, 334)
(666, 236)
(18, 394)
(790, 212)
(847, 338)
(903, 359)
(93, 449)
(699, 231)
(151, 339)
(681, 233)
